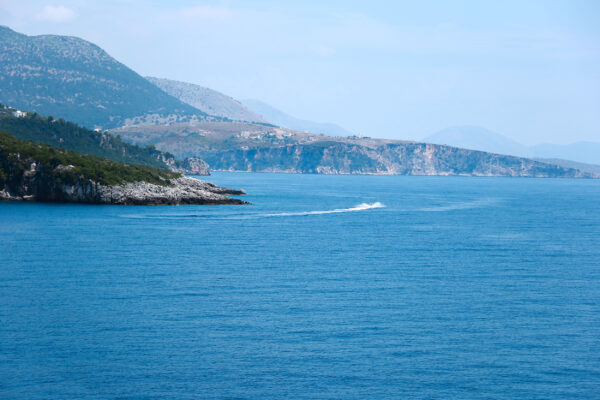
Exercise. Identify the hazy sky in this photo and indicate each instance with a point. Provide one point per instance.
(527, 69)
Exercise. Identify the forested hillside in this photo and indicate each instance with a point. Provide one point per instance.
(70, 136)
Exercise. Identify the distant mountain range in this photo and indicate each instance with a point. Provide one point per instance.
(74, 79)
(215, 103)
(477, 138)
(207, 100)
(284, 120)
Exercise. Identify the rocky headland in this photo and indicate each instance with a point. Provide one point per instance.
(35, 172)
(182, 190)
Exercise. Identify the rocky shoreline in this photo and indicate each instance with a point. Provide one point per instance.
(184, 190)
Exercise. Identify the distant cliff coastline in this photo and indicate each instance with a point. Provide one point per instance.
(246, 147)
(390, 159)
(35, 172)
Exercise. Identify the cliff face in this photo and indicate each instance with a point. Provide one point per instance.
(392, 159)
(189, 166)
(207, 100)
(246, 147)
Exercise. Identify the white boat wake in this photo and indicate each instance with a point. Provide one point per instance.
(360, 207)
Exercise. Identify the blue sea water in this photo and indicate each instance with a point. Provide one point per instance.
(415, 287)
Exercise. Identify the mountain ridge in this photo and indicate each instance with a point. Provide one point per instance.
(207, 100)
(285, 120)
(77, 80)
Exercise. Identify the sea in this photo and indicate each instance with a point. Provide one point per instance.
(324, 287)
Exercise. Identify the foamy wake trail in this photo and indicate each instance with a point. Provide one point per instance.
(360, 207)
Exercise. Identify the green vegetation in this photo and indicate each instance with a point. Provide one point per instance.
(16, 157)
(70, 136)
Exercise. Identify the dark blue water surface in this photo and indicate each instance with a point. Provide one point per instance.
(453, 288)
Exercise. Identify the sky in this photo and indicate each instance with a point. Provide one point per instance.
(529, 70)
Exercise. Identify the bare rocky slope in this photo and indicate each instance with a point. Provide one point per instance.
(207, 100)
